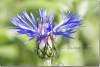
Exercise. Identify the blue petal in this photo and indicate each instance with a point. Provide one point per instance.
(70, 31)
(69, 21)
(72, 22)
(28, 19)
(20, 22)
(43, 15)
(50, 24)
(30, 33)
(34, 21)
(65, 34)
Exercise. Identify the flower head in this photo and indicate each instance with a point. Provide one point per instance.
(45, 29)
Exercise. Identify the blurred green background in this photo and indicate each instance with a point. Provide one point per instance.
(81, 51)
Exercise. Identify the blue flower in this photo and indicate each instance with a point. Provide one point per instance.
(45, 29)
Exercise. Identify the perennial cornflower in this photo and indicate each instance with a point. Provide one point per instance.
(45, 29)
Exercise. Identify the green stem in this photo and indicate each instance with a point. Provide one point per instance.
(47, 62)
